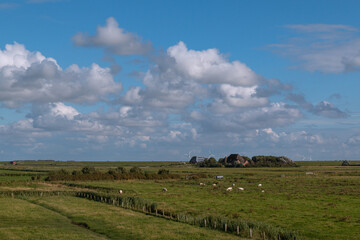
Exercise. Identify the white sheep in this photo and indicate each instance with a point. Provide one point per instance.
(214, 185)
(202, 184)
(233, 184)
(229, 189)
(121, 191)
(263, 191)
(164, 190)
(241, 189)
(259, 185)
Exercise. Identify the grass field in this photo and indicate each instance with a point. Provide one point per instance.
(319, 200)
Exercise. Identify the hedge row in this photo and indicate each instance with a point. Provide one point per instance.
(35, 193)
(63, 175)
(134, 203)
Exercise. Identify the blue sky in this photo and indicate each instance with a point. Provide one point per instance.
(155, 80)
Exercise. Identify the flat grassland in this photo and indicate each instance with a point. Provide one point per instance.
(318, 200)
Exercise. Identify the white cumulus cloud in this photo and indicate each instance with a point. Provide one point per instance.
(114, 39)
(27, 77)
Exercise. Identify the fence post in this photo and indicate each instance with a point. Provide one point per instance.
(155, 212)
(215, 225)
(237, 230)
(264, 235)
(205, 222)
(143, 208)
(250, 232)
(113, 201)
(225, 227)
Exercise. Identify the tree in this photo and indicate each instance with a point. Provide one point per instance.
(88, 170)
(136, 170)
(121, 170)
(163, 171)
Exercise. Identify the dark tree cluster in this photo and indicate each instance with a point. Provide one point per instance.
(120, 173)
(209, 162)
(237, 161)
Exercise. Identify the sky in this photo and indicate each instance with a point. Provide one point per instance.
(165, 80)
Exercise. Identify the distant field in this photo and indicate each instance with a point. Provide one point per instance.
(324, 163)
(308, 203)
(319, 200)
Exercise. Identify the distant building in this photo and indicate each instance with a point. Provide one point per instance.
(196, 159)
(219, 177)
(236, 159)
(13, 162)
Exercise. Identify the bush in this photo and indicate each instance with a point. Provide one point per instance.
(121, 170)
(136, 170)
(76, 172)
(163, 171)
(209, 162)
(88, 170)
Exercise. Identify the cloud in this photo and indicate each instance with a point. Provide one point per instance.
(27, 77)
(114, 39)
(60, 117)
(325, 48)
(291, 138)
(181, 77)
(274, 115)
(270, 87)
(354, 140)
(184, 96)
(322, 28)
(323, 108)
(237, 97)
(209, 66)
(209, 92)
(327, 109)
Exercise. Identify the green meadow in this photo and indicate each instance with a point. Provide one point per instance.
(316, 200)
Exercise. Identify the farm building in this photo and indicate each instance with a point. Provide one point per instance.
(196, 159)
(236, 159)
(219, 177)
(13, 162)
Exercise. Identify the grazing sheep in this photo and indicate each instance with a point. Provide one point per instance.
(263, 191)
(233, 184)
(214, 185)
(164, 190)
(259, 185)
(241, 189)
(202, 184)
(121, 191)
(229, 189)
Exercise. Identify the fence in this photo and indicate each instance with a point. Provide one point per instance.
(243, 228)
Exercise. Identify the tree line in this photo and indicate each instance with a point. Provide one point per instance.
(244, 161)
(120, 173)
